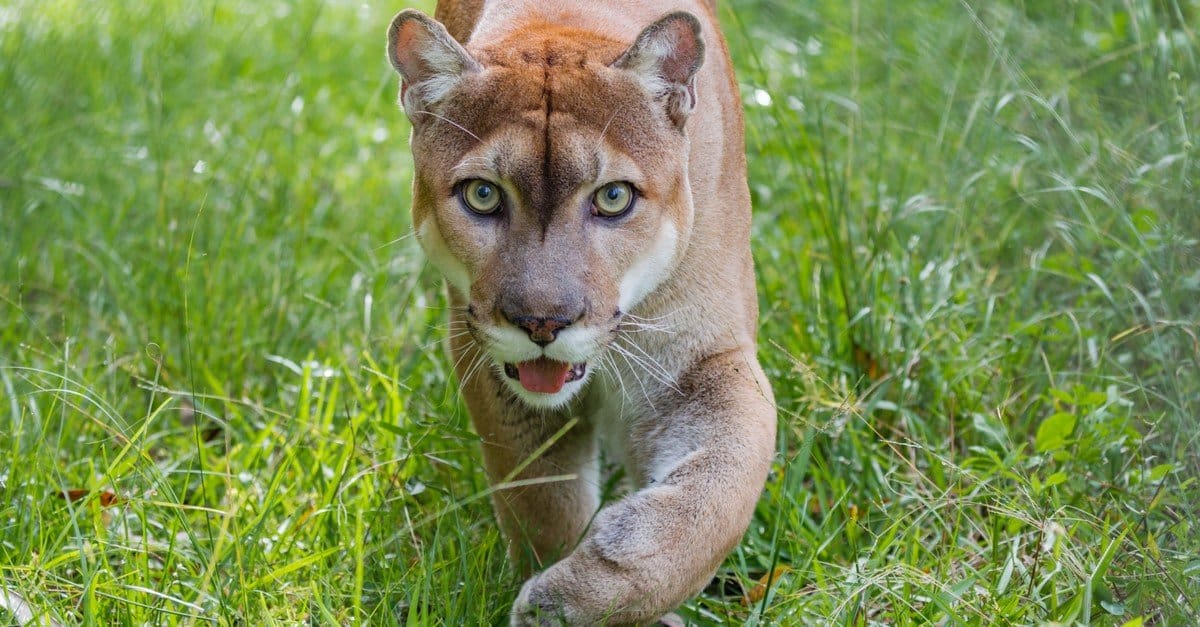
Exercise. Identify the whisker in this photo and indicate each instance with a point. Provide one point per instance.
(604, 131)
(648, 356)
(637, 327)
(410, 233)
(658, 318)
(607, 359)
(636, 361)
(470, 161)
(477, 357)
(625, 355)
(451, 331)
(653, 368)
(452, 123)
(468, 349)
(476, 366)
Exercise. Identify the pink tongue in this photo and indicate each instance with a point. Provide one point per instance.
(543, 375)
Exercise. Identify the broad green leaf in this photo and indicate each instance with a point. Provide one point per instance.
(1160, 471)
(1054, 479)
(1053, 432)
(1116, 608)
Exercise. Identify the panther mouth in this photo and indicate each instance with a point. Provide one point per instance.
(544, 375)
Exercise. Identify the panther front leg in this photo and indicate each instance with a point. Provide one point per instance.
(706, 459)
(543, 500)
(546, 487)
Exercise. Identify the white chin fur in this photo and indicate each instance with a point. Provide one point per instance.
(573, 346)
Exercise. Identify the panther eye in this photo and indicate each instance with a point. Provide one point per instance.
(613, 199)
(480, 196)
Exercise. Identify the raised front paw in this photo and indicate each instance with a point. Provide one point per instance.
(534, 607)
(558, 597)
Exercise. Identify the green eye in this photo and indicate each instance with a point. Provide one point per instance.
(480, 196)
(613, 199)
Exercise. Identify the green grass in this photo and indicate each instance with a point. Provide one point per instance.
(978, 239)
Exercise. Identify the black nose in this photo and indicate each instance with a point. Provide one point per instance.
(541, 330)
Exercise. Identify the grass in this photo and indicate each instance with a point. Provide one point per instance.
(223, 396)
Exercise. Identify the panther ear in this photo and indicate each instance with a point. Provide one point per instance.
(665, 57)
(429, 60)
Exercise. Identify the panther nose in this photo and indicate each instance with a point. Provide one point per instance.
(542, 330)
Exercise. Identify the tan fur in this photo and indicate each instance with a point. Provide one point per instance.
(550, 100)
